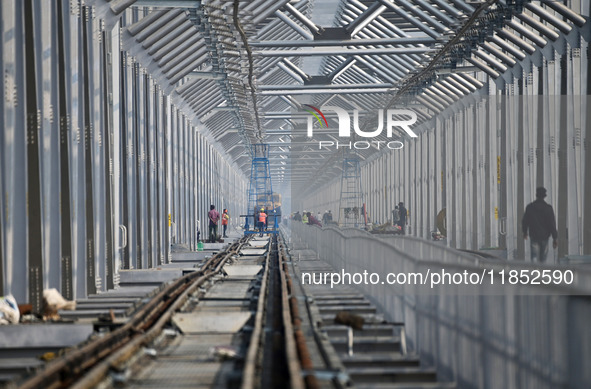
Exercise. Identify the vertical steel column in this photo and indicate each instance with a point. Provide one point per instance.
(183, 177)
(166, 192)
(67, 289)
(451, 154)
(97, 117)
(3, 103)
(108, 160)
(88, 162)
(208, 169)
(439, 169)
(463, 174)
(476, 204)
(501, 175)
(575, 153)
(1, 205)
(406, 186)
(160, 216)
(193, 188)
(34, 236)
(540, 133)
(189, 180)
(563, 189)
(488, 176)
(177, 175)
(200, 204)
(138, 168)
(428, 213)
(125, 154)
(77, 167)
(46, 52)
(173, 173)
(384, 182)
(587, 189)
(148, 169)
(520, 166)
(116, 129)
(444, 176)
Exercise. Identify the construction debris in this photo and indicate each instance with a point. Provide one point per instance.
(349, 319)
(53, 302)
(9, 313)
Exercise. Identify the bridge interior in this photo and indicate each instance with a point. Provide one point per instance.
(123, 120)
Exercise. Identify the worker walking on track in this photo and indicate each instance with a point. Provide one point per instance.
(262, 221)
(540, 222)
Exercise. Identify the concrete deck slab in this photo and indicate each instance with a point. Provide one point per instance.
(257, 252)
(229, 290)
(214, 246)
(242, 270)
(148, 275)
(258, 243)
(193, 256)
(256, 238)
(43, 335)
(188, 364)
(210, 322)
(126, 292)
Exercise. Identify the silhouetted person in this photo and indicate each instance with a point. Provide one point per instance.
(402, 218)
(327, 217)
(540, 222)
(395, 216)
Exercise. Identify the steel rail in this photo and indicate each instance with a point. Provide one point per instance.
(307, 316)
(88, 364)
(292, 342)
(121, 356)
(291, 305)
(250, 363)
(296, 357)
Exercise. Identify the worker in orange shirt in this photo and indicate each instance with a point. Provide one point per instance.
(262, 221)
(225, 219)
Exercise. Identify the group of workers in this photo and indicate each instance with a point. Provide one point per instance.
(538, 223)
(310, 218)
(214, 217)
(261, 217)
(400, 217)
(538, 220)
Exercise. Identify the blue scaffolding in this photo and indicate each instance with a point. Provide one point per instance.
(352, 211)
(260, 194)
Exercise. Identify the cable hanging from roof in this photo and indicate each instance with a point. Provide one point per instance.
(250, 68)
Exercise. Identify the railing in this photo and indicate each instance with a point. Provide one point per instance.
(483, 336)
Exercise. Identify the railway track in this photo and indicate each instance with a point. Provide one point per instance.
(244, 320)
(233, 312)
(87, 365)
(371, 355)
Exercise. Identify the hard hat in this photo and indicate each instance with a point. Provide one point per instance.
(262, 209)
